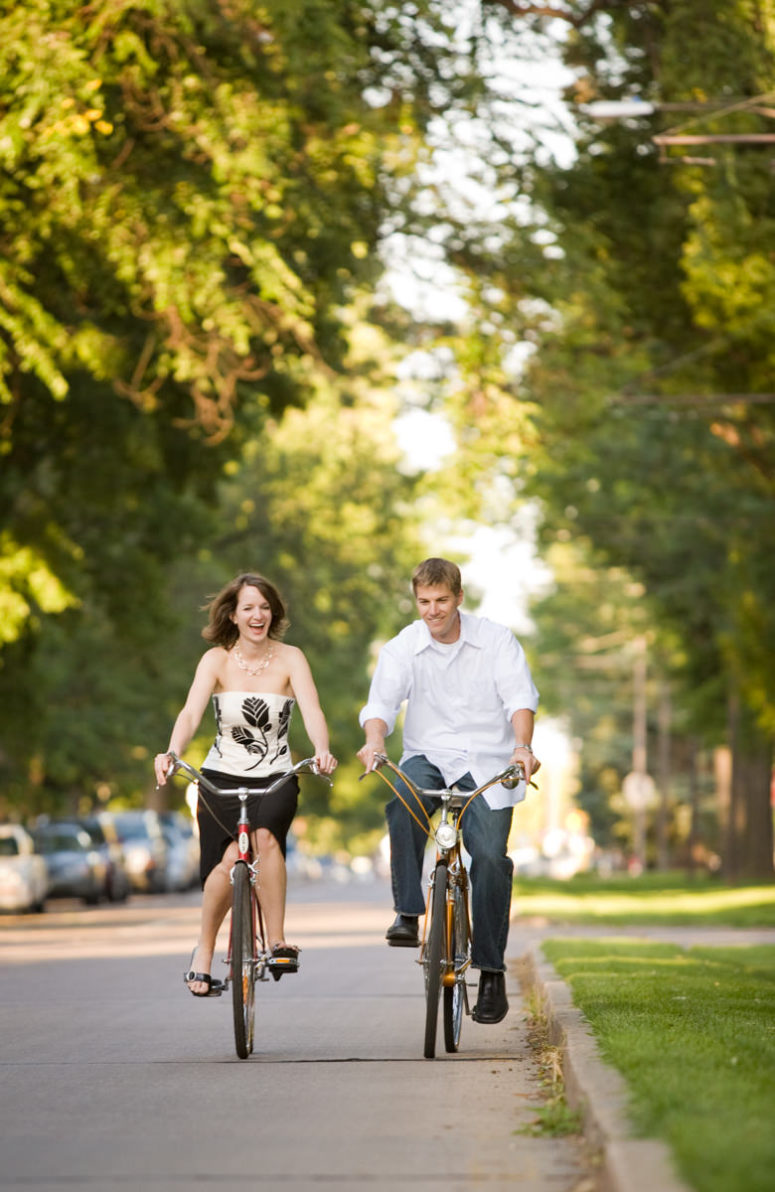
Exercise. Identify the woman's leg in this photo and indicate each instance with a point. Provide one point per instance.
(272, 884)
(216, 901)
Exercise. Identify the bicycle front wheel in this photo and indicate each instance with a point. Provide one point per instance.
(433, 958)
(459, 951)
(243, 961)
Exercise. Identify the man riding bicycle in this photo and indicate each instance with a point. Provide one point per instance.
(471, 703)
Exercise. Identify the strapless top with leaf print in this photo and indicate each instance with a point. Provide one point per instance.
(251, 733)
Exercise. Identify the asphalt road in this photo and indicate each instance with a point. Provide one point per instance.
(114, 1077)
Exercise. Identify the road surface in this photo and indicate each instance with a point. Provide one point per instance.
(115, 1078)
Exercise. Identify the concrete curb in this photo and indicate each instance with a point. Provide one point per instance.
(598, 1092)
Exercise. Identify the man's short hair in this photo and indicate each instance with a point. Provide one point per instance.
(437, 571)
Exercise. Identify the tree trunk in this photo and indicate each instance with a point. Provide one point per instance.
(749, 834)
(694, 807)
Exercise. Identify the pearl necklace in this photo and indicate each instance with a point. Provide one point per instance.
(252, 670)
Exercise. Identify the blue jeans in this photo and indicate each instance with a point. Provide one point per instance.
(485, 836)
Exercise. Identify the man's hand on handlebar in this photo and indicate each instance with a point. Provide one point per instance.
(371, 755)
(523, 756)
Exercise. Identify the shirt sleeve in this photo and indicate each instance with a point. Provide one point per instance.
(390, 685)
(512, 676)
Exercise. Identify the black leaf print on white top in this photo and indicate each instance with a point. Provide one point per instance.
(256, 714)
(218, 725)
(284, 719)
(283, 722)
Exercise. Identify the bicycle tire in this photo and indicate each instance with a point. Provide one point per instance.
(459, 947)
(433, 958)
(243, 961)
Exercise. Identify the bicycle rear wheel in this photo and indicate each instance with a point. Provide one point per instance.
(243, 961)
(459, 947)
(433, 958)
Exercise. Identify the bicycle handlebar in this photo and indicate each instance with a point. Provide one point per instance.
(197, 776)
(509, 778)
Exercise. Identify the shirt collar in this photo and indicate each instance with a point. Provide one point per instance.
(468, 634)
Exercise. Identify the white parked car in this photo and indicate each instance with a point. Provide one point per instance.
(23, 872)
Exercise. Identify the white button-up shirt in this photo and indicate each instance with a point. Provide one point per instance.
(461, 698)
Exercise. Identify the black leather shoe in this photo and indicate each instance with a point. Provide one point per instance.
(491, 1005)
(403, 932)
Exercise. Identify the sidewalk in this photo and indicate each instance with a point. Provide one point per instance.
(626, 1164)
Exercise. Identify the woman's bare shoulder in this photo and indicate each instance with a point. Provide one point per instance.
(213, 661)
(292, 656)
(214, 656)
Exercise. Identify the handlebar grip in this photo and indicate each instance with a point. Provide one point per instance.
(517, 776)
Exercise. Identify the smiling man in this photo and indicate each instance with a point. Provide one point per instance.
(471, 703)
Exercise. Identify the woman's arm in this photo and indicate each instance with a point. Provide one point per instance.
(190, 715)
(306, 695)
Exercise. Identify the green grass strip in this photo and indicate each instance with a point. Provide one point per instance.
(662, 899)
(693, 1034)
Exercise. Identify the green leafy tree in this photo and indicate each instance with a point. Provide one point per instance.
(651, 441)
(192, 194)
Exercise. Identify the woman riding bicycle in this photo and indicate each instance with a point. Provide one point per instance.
(254, 679)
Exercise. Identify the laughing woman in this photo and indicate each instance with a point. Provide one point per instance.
(254, 680)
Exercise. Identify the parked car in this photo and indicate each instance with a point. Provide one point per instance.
(76, 869)
(183, 850)
(104, 837)
(23, 874)
(145, 849)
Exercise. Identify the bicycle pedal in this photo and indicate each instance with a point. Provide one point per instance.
(279, 966)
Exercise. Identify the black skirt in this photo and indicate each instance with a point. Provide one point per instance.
(217, 816)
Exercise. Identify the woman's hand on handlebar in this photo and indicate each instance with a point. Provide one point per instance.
(325, 762)
(162, 765)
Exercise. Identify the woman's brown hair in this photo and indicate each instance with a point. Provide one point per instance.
(221, 630)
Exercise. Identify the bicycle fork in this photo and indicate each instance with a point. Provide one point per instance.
(458, 931)
(454, 966)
